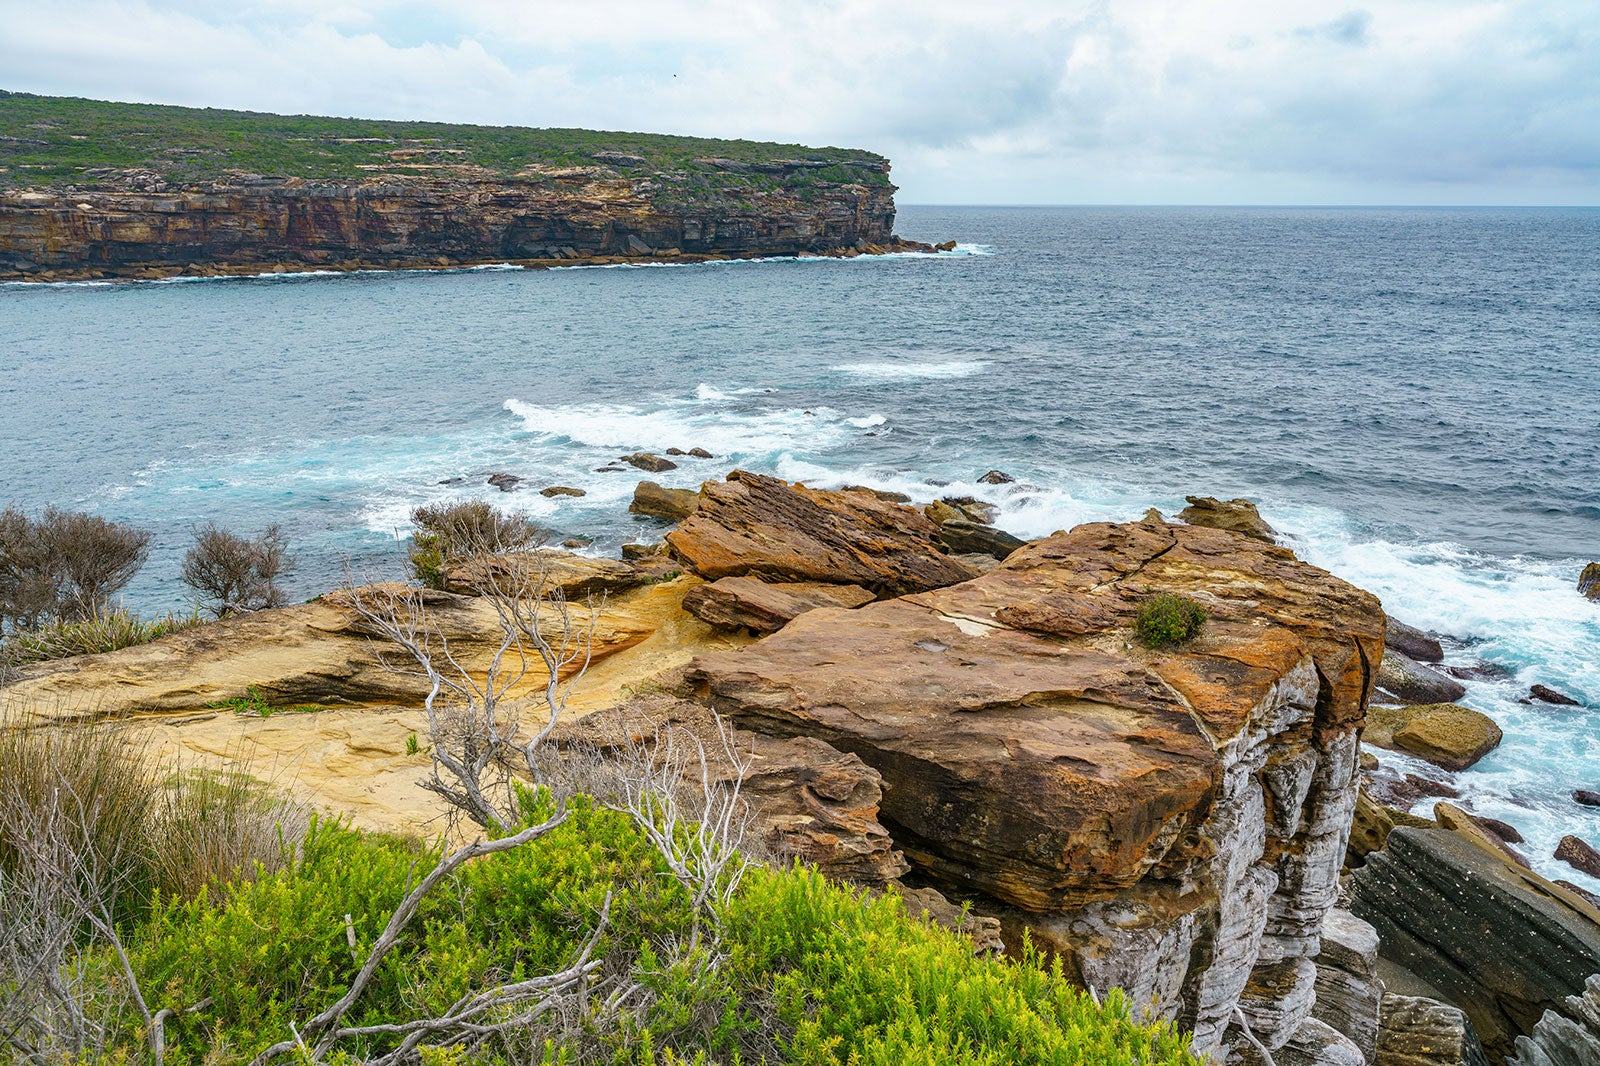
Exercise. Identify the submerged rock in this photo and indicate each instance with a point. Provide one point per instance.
(1172, 822)
(766, 607)
(504, 482)
(1445, 734)
(1543, 694)
(1410, 682)
(759, 526)
(1240, 516)
(561, 490)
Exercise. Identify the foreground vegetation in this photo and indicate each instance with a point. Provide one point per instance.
(58, 141)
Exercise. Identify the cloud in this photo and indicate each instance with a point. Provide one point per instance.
(1009, 101)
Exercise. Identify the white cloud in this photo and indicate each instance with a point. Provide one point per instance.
(1016, 101)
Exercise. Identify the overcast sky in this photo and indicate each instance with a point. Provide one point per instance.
(976, 101)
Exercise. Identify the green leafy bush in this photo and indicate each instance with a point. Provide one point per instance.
(107, 630)
(1167, 620)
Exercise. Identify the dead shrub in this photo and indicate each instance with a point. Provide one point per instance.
(235, 573)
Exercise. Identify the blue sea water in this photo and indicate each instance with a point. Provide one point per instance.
(1410, 394)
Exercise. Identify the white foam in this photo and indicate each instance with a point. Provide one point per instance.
(867, 421)
(684, 425)
(957, 369)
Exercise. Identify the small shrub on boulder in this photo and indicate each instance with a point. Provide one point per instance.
(1167, 620)
(237, 573)
(449, 533)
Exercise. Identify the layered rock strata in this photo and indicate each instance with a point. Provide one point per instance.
(1173, 822)
(250, 223)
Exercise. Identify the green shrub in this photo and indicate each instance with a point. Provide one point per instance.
(107, 630)
(450, 533)
(1167, 620)
(254, 704)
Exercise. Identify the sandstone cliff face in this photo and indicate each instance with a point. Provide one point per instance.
(250, 223)
(1174, 823)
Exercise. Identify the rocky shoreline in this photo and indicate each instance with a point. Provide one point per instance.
(938, 707)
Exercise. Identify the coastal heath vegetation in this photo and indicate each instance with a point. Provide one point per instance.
(1167, 620)
(449, 533)
(233, 573)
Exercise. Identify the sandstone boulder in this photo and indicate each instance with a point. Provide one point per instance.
(1418, 1031)
(1413, 642)
(765, 527)
(1239, 516)
(766, 607)
(939, 512)
(1410, 682)
(1445, 734)
(1500, 941)
(561, 490)
(1589, 581)
(656, 501)
(1125, 806)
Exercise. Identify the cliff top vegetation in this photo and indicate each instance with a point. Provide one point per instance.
(53, 141)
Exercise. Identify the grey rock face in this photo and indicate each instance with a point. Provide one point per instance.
(1412, 642)
(1424, 1032)
(1349, 993)
(1569, 1038)
(1410, 682)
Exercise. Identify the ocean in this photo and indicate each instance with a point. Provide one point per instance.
(1411, 396)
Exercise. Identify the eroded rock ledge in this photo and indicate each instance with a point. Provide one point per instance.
(1174, 823)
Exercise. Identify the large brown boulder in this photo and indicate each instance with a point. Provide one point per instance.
(1143, 812)
(656, 501)
(765, 527)
(766, 607)
(1445, 734)
(1240, 516)
(1589, 581)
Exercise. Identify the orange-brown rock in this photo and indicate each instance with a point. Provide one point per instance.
(759, 526)
(766, 607)
(1240, 516)
(1173, 820)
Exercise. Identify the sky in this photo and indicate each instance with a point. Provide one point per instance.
(975, 102)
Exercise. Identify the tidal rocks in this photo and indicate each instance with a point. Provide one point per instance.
(1544, 694)
(1413, 642)
(1174, 823)
(1410, 682)
(1569, 1036)
(646, 461)
(1000, 477)
(561, 490)
(964, 537)
(766, 607)
(1578, 854)
(1500, 941)
(1445, 734)
(656, 501)
(1240, 516)
(1586, 796)
(759, 526)
(1589, 581)
(1418, 1031)
(504, 482)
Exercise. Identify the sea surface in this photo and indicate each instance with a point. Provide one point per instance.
(1411, 395)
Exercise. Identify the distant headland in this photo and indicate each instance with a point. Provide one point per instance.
(93, 189)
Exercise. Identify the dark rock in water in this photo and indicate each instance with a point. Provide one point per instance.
(577, 542)
(613, 469)
(655, 501)
(759, 526)
(700, 453)
(1587, 797)
(454, 481)
(974, 510)
(996, 477)
(1589, 581)
(1550, 695)
(1482, 670)
(1410, 682)
(504, 482)
(562, 490)
(965, 537)
(676, 451)
(1579, 855)
(1427, 786)
(882, 494)
(766, 607)
(1500, 941)
(1412, 642)
(1240, 516)
(1446, 734)
(653, 463)
(1417, 1031)
(1504, 830)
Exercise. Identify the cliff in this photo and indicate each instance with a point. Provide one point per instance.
(91, 189)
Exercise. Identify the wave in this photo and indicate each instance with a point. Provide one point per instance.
(959, 369)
